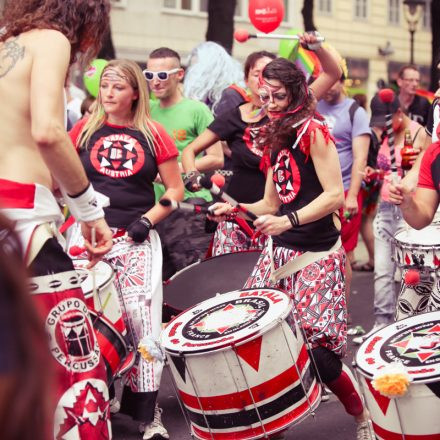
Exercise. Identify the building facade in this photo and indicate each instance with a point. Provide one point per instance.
(372, 35)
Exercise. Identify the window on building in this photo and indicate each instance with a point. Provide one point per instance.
(426, 17)
(394, 12)
(360, 8)
(325, 6)
(119, 3)
(203, 5)
(186, 5)
(170, 3)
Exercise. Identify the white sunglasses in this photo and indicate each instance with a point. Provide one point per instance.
(161, 76)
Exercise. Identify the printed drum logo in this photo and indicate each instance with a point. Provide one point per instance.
(72, 339)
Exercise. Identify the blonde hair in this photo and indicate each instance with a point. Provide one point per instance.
(141, 119)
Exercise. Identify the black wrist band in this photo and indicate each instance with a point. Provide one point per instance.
(146, 221)
(293, 218)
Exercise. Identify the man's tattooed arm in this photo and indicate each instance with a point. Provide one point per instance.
(10, 53)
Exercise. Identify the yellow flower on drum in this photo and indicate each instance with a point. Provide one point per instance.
(150, 349)
(392, 380)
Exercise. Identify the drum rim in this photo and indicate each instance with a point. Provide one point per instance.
(239, 342)
(224, 256)
(415, 379)
(414, 245)
(89, 293)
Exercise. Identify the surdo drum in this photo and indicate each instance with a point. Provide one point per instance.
(418, 250)
(240, 365)
(106, 314)
(415, 342)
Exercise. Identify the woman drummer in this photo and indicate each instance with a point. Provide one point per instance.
(298, 211)
(122, 151)
(240, 128)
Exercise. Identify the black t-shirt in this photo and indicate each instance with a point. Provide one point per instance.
(248, 181)
(121, 165)
(419, 109)
(297, 184)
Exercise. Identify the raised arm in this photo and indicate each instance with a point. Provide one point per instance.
(331, 71)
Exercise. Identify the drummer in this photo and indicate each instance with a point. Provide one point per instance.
(419, 207)
(299, 210)
(241, 128)
(122, 151)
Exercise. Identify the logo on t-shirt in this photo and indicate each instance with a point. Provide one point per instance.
(117, 156)
(286, 176)
(250, 137)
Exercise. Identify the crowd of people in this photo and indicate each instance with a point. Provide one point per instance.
(306, 163)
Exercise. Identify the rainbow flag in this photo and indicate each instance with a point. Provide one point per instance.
(426, 94)
(308, 62)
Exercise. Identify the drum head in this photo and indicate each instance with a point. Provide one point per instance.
(103, 275)
(429, 236)
(203, 280)
(414, 341)
(225, 320)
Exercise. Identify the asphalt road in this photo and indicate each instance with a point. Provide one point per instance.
(330, 421)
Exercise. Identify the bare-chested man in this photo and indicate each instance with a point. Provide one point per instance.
(39, 41)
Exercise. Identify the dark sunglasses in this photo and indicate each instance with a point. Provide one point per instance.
(161, 76)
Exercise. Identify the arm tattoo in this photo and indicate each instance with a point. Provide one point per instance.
(10, 53)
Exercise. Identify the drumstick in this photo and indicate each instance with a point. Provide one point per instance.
(208, 184)
(94, 290)
(188, 207)
(242, 35)
(387, 97)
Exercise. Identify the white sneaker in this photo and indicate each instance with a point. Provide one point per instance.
(154, 430)
(115, 405)
(364, 431)
(359, 339)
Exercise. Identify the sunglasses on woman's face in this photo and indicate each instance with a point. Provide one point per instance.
(161, 76)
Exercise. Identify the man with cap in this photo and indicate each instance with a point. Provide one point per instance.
(389, 217)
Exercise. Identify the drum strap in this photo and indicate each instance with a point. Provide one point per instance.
(298, 263)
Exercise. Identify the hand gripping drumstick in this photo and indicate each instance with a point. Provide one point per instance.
(208, 184)
(74, 251)
(242, 35)
(387, 97)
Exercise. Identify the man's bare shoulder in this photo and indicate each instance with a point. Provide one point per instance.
(44, 39)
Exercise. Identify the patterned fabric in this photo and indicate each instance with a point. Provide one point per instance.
(229, 238)
(138, 282)
(318, 292)
(78, 365)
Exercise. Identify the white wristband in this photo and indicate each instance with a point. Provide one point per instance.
(85, 207)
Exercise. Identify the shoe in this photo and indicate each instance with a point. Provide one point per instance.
(115, 405)
(359, 339)
(364, 431)
(154, 430)
(362, 267)
(325, 394)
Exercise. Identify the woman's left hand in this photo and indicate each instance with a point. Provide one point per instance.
(271, 224)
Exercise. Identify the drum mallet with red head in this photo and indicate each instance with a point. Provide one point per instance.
(207, 183)
(242, 35)
(387, 97)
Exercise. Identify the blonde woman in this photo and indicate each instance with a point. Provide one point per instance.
(122, 151)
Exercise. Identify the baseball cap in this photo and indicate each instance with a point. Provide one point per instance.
(379, 109)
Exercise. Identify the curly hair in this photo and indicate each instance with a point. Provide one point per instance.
(83, 22)
(279, 132)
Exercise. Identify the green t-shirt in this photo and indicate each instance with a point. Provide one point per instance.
(183, 121)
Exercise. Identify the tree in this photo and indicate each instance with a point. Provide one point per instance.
(307, 13)
(221, 22)
(435, 20)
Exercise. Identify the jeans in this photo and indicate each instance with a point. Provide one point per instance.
(386, 223)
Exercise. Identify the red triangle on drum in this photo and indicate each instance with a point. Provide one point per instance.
(434, 329)
(382, 401)
(407, 259)
(251, 352)
(425, 355)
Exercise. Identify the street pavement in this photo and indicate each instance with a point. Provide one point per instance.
(330, 420)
